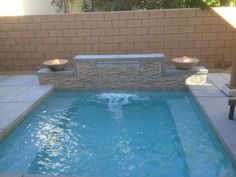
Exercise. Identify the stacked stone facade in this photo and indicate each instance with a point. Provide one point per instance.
(121, 76)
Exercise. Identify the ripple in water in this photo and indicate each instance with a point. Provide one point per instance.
(156, 134)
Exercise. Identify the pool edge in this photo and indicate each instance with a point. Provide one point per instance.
(227, 148)
(226, 144)
(29, 109)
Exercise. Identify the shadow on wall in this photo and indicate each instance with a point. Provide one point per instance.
(227, 16)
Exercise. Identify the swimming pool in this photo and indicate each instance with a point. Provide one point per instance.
(116, 134)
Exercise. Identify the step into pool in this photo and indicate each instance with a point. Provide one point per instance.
(133, 134)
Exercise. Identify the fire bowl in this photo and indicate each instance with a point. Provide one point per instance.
(56, 64)
(185, 62)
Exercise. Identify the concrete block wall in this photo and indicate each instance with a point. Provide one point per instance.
(27, 41)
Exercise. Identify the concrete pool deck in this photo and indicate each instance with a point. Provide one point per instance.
(214, 103)
(19, 95)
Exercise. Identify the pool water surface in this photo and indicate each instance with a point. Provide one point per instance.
(136, 134)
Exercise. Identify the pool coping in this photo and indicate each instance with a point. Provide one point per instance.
(21, 95)
(214, 104)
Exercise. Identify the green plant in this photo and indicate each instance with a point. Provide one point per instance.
(63, 5)
(113, 5)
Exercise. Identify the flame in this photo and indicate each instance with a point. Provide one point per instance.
(56, 61)
(186, 59)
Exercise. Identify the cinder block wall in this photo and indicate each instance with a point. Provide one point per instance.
(27, 41)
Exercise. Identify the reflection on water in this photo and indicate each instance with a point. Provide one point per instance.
(155, 134)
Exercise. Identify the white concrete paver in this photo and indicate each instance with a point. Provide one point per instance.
(19, 95)
(207, 86)
(8, 93)
(215, 105)
(217, 79)
(207, 92)
(24, 80)
(33, 93)
(2, 104)
(4, 77)
(225, 76)
(12, 112)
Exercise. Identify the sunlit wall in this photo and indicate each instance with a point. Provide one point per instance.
(25, 7)
(11, 7)
(228, 14)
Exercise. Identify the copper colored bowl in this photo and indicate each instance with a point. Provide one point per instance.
(179, 63)
(56, 64)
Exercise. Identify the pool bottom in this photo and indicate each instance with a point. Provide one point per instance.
(116, 134)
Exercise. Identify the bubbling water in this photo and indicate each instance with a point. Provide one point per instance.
(115, 102)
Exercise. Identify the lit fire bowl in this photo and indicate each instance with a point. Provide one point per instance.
(56, 64)
(185, 62)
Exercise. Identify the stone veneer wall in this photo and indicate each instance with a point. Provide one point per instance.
(177, 82)
(141, 75)
(173, 82)
(27, 41)
(119, 75)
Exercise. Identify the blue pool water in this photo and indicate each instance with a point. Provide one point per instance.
(143, 134)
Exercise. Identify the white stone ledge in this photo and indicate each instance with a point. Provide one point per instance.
(121, 57)
(48, 73)
(117, 62)
(197, 70)
(152, 57)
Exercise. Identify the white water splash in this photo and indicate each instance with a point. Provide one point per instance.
(115, 101)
